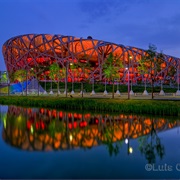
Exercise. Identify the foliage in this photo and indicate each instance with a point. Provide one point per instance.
(56, 72)
(4, 78)
(18, 121)
(111, 69)
(85, 69)
(54, 128)
(170, 74)
(20, 75)
(151, 63)
(99, 87)
(142, 68)
(151, 145)
(108, 140)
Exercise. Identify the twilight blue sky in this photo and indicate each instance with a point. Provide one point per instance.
(128, 22)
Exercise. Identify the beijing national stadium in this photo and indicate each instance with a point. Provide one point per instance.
(39, 51)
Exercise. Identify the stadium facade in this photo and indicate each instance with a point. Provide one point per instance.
(39, 51)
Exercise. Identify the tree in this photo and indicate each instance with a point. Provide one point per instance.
(151, 145)
(55, 74)
(171, 74)
(34, 73)
(151, 63)
(84, 68)
(65, 74)
(4, 78)
(143, 70)
(111, 69)
(73, 71)
(20, 76)
(108, 135)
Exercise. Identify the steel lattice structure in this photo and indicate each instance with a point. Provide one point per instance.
(41, 50)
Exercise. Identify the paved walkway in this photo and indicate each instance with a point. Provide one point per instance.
(168, 96)
(125, 96)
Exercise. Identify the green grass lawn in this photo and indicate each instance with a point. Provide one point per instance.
(154, 107)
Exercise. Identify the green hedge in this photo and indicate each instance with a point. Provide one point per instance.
(99, 87)
(154, 107)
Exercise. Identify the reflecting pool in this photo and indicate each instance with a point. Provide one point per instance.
(48, 143)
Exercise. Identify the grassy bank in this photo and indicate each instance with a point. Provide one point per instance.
(154, 107)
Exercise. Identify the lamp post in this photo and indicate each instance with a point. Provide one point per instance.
(0, 80)
(161, 91)
(127, 68)
(129, 61)
(127, 140)
(71, 66)
(45, 92)
(93, 92)
(66, 79)
(105, 91)
(178, 91)
(32, 81)
(129, 148)
(118, 92)
(178, 77)
(26, 82)
(145, 93)
(128, 83)
(131, 92)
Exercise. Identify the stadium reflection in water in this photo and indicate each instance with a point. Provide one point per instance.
(34, 129)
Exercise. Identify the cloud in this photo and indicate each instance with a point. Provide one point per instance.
(95, 10)
(129, 22)
(106, 10)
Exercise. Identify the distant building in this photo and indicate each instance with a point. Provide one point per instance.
(39, 51)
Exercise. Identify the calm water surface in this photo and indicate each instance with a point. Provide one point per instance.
(44, 143)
